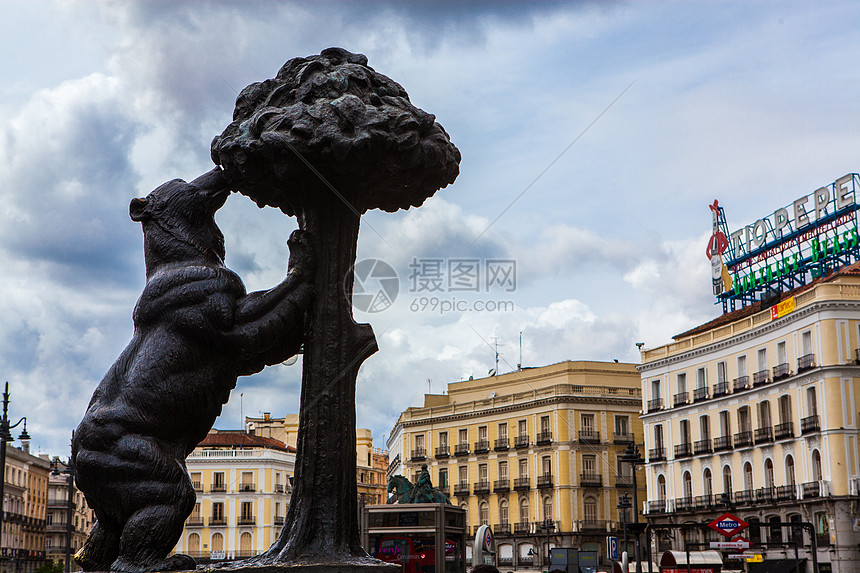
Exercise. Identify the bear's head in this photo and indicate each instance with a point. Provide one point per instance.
(178, 221)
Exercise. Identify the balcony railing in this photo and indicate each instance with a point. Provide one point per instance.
(700, 394)
(482, 446)
(502, 529)
(810, 424)
(461, 450)
(745, 497)
(217, 521)
(763, 435)
(589, 436)
(197, 486)
(741, 383)
(657, 454)
(442, 452)
(623, 481)
(592, 525)
(655, 404)
(722, 443)
(681, 398)
(501, 444)
(461, 489)
(522, 528)
(192, 522)
(684, 503)
(279, 488)
(543, 438)
(722, 499)
(765, 494)
(247, 520)
(760, 377)
(743, 439)
(721, 389)
(502, 485)
(590, 479)
(811, 489)
(216, 487)
(703, 501)
(622, 438)
(785, 492)
(521, 441)
(522, 483)
(805, 362)
(780, 371)
(279, 520)
(657, 506)
(783, 431)
(684, 450)
(702, 447)
(246, 487)
(418, 454)
(482, 487)
(544, 480)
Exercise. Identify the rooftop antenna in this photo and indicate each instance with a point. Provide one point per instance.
(520, 364)
(496, 346)
(428, 386)
(242, 409)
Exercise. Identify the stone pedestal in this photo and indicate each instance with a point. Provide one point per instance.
(368, 565)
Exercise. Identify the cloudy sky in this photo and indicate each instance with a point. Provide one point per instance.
(593, 136)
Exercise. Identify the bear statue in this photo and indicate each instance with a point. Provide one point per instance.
(195, 331)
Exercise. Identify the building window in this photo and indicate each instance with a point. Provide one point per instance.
(762, 359)
(443, 477)
(464, 436)
(708, 482)
(748, 476)
(546, 465)
(685, 431)
(524, 468)
(655, 389)
(217, 542)
(727, 480)
(658, 436)
(482, 433)
(544, 424)
(193, 544)
(218, 510)
(681, 382)
(522, 428)
(503, 430)
(218, 482)
(247, 510)
(622, 425)
(245, 544)
(701, 378)
(484, 513)
(744, 419)
(443, 440)
(789, 471)
(586, 422)
(742, 366)
(464, 474)
(806, 343)
(768, 473)
(547, 508)
(590, 507)
(419, 442)
(704, 428)
(688, 485)
(503, 470)
(503, 512)
(816, 465)
(661, 487)
(784, 409)
(722, 376)
(483, 473)
(524, 510)
(764, 414)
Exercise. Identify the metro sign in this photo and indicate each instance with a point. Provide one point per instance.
(728, 524)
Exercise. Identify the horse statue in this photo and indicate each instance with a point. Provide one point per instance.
(422, 492)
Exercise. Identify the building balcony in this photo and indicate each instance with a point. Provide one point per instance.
(622, 480)
(501, 444)
(811, 489)
(589, 437)
(680, 399)
(482, 487)
(783, 431)
(765, 494)
(482, 446)
(522, 483)
(217, 521)
(246, 487)
(543, 438)
(247, 520)
(418, 454)
(279, 488)
(521, 441)
(703, 501)
(785, 493)
(763, 435)
(657, 455)
(721, 389)
(684, 503)
(805, 362)
(461, 450)
(590, 480)
(218, 487)
(622, 438)
(197, 486)
(502, 529)
(544, 481)
(745, 497)
(461, 489)
(810, 424)
(683, 450)
(722, 443)
(657, 506)
(760, 378)
(700, 394)
(781, 371)
(194, 522)
(655, 405)
(702, 447)
(279, 520)
(741, 383)
(443, 452)
(743, 439)
(502, 485)
(593, 525)
(722, 499)
(522, 528)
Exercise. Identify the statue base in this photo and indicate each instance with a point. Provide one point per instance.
(366, 565)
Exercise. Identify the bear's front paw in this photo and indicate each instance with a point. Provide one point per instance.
(302, 258)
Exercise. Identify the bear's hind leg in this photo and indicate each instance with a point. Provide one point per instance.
(148, 536)
(100, 549)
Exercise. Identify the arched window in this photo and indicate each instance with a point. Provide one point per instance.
(193, 544)
(484, 510)
(688, 486)
(465, 507)
(816, 465)
(590, 506)
(789, 471)
(768, 473)
(708, 482)
(245, 546)
(748, 476)
(524, 510)
(217, 542)
(727, 480)
(547, 508)
(661, 487)
(504, 518)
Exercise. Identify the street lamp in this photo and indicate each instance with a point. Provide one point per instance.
(549, 526)
(6, 437)
(624, 505)
(632, 457)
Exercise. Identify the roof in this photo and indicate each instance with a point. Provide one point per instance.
(729, 317)
(238, 439)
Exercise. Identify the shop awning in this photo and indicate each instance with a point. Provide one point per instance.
(673, 558)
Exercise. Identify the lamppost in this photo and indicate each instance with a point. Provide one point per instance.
(6, 437)
(549, 526)
(632, 457)
(624, 505)
(70, 508)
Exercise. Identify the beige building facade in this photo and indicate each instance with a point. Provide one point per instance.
(58, 516)
(533, 453)
(22, 546)
(756, 413)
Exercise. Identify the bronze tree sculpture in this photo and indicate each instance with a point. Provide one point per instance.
(325, 140)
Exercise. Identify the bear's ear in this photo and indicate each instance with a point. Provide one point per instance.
(137, 209)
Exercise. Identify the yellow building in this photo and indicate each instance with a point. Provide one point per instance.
(756, 413)
(242, 483)
(371, 463)
(25, 493)
(58, 516)
(529, 448)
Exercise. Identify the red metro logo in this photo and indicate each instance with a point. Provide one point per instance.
(728, 524)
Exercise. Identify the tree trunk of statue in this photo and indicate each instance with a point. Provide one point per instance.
(322, 521)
